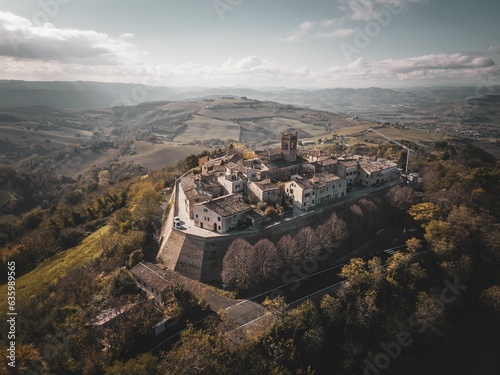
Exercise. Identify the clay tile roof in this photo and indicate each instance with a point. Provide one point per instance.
(228, 205)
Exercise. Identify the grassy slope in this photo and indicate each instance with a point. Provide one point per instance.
(51, 269)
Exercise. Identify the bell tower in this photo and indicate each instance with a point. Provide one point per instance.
(289, 146)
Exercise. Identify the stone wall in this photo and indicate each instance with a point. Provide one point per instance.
(201, 258)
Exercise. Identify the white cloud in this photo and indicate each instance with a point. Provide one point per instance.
(20, 39)
(493, 50)
(127, 35)
(329, 28)
(302, 30)
(437, 62)
(338, 33)
(366, 10)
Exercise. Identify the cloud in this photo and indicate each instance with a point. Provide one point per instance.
(127, 35)
(338, 33)
(493, 50)
(329, 28)
(366, 10)
(20, 39)
(302, 30)
(437, 62)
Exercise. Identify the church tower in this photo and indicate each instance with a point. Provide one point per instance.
(289, 146)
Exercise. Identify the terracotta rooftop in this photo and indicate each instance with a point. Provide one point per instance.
(227, 205)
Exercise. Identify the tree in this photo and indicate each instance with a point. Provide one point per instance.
(271, 213)
(77, 286)
(425, 212)
(355, 272)
(491, 298)
(429, 312)
(146, 364)
(332, 232)
(267, 260)
(136, 257)
(238, 265)
(400, 198)
(307, 243)
(289, 250)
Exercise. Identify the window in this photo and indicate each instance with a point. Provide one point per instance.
(313, 201)
(218, 219)
(205, 210)
(197, 216)
(219, 227)
(307, 195)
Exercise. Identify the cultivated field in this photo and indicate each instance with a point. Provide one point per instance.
(26, 134)
(411, 135)
(157, 156)
(204, 128)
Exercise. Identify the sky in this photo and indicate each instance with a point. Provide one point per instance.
(310, 44)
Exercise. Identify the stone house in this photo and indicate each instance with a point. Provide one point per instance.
(221, 215)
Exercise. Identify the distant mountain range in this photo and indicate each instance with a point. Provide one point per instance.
(97, 95)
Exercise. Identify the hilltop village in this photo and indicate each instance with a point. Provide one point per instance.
(226, 195)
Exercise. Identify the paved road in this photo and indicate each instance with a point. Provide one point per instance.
(248, 312)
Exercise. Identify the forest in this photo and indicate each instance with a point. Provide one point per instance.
(433, 308)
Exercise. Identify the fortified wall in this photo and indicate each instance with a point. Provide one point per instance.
(200, 258)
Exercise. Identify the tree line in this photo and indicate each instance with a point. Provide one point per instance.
(247, 266)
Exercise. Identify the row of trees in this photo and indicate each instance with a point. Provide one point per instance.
(246, 265)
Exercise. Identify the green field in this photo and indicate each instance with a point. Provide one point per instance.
(51, 269)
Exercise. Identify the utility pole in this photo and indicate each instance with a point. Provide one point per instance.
(408, 150)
